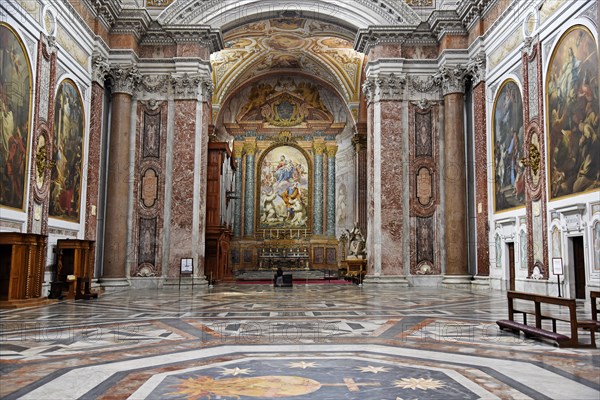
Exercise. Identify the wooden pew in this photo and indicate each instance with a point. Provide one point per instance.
(594, 296)
(526, 300)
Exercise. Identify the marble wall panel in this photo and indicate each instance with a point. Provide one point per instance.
(481, 179)
(391, 188)
(93, 157)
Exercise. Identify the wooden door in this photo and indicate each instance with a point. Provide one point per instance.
(511, 266)
(579, 267)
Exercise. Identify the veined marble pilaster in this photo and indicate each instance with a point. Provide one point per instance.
(250, 149)
(318, 189)
(385, 201)
(237, 213)
(331, 151)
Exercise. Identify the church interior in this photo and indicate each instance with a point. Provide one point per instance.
(312, 199)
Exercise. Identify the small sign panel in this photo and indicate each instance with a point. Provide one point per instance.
(557, 266)
(187, 266)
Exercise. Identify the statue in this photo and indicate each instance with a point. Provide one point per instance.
(356, 243)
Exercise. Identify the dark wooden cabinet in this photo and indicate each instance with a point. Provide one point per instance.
(219, 212)
(75, 269)
(22, 265)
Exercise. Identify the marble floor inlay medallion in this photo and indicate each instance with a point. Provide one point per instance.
(325, 342)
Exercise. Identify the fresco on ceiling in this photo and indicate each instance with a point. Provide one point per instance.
(284, 190)
(65, 189)
(573, 112)
(287, 43)
(15, 111)
(509, 180)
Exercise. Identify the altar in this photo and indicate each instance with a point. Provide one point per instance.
(283, 257)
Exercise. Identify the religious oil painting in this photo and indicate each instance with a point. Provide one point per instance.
(573, 112)
(15, 115)
(508, 135)
(284, 189)
(65, 189)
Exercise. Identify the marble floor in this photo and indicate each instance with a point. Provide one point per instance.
(306, 342)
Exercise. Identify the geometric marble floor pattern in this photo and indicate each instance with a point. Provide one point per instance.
(306, 342)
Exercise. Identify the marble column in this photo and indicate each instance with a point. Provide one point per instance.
(452, 81)
(114, 272)
(360, 202)
(250, 150)
(237, 213)
(386, 181)
(319, 149)
(331, 151)
(100, 72)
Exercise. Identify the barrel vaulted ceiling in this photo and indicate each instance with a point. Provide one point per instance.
(286, 46)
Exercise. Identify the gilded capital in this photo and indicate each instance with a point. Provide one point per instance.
(238, 150)
(332, 150)
(250, 148)
(319, 148)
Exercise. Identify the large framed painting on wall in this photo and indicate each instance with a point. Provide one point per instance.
(284, 189)
(507, 136)
(15, 116)
(573, 112)
(65, 189)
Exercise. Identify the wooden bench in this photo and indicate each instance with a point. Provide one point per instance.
(524, 308)
(594, 296)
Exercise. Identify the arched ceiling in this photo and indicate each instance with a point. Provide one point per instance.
(285, 46)
(358, 14)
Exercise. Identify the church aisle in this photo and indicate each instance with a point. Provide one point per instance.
(306, 342)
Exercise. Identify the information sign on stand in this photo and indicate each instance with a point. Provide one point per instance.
(557, 269)
(186, 268)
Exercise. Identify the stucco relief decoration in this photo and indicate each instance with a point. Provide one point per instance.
(523, 248)
(15, 113)
(572, 109)
(300, 44)
(43, 164)
(284, 189)
(285, 104)
(100, 69)
(556, 245)
(508, 137)
(151, 136)
(69, 130)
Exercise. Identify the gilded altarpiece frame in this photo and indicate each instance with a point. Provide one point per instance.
(424, 188)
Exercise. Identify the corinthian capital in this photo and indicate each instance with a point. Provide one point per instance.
(451, 79)
(476, 68)
(100, 69)
(188, 87)
(125, 79)
(384, 87)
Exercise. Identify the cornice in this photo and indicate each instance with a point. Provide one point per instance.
(107, 11)
(157, 35)
(368, 38)
(446, 22)
(470, 11)
(134, 21)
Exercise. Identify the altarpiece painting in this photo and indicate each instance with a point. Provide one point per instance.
(15, 112)
(284, 189)
(573, 113)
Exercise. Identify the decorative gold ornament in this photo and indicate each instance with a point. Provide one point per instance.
(533, 161)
